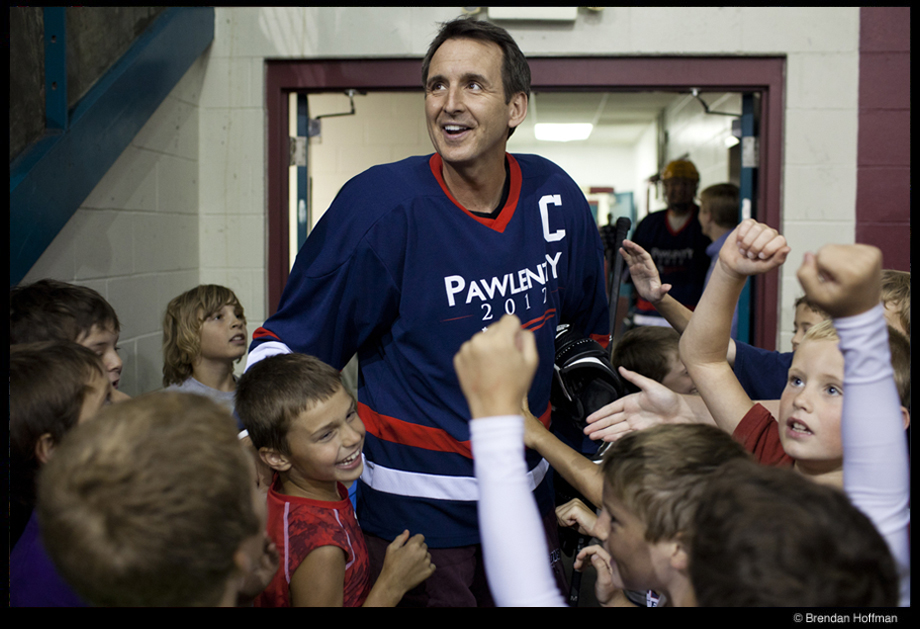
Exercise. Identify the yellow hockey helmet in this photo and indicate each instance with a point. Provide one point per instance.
(680, 169)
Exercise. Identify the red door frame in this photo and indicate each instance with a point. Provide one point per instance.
(764, 75)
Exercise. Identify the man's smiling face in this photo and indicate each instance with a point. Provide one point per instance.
(468, 118)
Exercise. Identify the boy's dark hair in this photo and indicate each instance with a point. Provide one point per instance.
(147, 504)
(50, 310)
(810, 305)
(274, 391)
(659, 473)
(766, 537)
(648, 351)
(48, 383)
(515, 69)
(722, 202)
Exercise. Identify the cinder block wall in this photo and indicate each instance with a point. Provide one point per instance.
(186, 202)
(135, 237)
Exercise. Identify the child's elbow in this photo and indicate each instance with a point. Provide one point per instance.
(688, 354)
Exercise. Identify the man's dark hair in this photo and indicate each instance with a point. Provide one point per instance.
(515, 69)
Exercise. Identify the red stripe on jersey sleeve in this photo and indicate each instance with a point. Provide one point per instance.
(262, 333)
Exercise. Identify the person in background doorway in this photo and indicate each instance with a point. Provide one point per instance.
(675, 240)
(718, 217)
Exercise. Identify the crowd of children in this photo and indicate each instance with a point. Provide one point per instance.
(747, 535)
(157, 500)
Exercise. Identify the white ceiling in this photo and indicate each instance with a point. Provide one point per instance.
(619, 118)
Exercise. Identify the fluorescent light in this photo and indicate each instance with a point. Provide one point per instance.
(549, 132)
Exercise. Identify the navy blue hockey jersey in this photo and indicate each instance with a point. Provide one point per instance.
(399, 272)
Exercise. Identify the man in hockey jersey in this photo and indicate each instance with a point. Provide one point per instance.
(409, 262)
(675, 240)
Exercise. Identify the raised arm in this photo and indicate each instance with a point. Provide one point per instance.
(648, 284)
(752, 248)
(495, 369)
(844, 280)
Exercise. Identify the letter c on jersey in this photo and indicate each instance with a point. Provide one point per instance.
(559, 234)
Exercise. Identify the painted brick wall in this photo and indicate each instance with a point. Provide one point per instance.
(883, 160)
(135, 237)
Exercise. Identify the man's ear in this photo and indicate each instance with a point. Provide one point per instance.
(44, 447)
(274, 459)
(905, 415)
(517, 109)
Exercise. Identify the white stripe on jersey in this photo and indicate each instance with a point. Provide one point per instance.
(433, 486)
(271, 348)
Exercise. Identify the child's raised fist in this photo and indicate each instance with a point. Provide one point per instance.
(843, 280)
(753, 248)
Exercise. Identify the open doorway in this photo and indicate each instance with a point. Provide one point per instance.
(611, 90)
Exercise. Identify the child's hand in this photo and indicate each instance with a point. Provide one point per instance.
(496, 367)
(607, 584)
(260, 574)
(407, 563)
(575, 513)
(753, 248)
(644, 273)
(843, 280)
(654, 404)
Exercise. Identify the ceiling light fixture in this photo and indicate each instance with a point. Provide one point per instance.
(554, 132)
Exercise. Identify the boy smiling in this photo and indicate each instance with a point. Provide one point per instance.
(306, 428)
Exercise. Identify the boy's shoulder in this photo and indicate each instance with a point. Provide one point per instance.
(758, 433)
(309, 524)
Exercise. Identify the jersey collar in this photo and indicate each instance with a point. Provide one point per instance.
(514, 193)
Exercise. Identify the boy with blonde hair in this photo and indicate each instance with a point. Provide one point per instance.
(204, 335)
(306, 428)
(807, 436)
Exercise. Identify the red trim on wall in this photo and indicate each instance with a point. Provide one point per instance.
(744, 74)
(883, 146)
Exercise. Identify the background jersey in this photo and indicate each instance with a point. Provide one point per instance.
(680, 257)
(400, 273)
